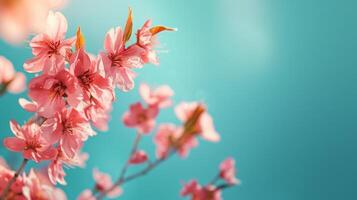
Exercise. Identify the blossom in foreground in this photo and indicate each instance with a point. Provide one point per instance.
(160, 96)
(71, 129)
(146, 39)
(198, 192)
(90, 78)
(50, 47)
(56, 172)
(20, 18)
(119, 61)
(52, 92)
(6, 174)
(143, 119)
(228, 171)
(30, 141)
(35, 189)
(103, 182)
(11, 81)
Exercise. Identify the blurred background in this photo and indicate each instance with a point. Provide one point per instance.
(279, 78)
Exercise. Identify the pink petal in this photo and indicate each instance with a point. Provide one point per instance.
(18, 84)
(14, 144)
(27, 105)
(208, 131)
(138, 157)
(56, 25)
(7, 71)
(16, 129)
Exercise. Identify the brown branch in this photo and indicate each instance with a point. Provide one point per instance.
(13, 179)
(142, 172)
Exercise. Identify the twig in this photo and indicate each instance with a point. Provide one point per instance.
(143, 172)
(13, 179)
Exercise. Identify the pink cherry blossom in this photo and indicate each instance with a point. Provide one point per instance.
(143, 119)
(157, 97)
(15, 191)
(28, 105)
(167, 138)
(50, 47)
(198, 192)
(104, 182)
(10, 80)
(56, 172)
(138, 157)
(70, 128)
(34, 189)
(228, 171)
(146, 39)
(90, 78)
(30, 141)
(20, 18)
(52, 92)
(203, 124)
(86, 195)
(119, 61)
(98, 113)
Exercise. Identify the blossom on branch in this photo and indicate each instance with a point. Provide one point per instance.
(30, 141)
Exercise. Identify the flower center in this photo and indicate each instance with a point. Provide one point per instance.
(116, 60)
(67, 128)
(33, 145)
(53, 47)
(59, 89)
(86, 78)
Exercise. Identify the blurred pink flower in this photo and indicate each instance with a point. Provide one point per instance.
(16, 189)
(138, 157)
(30, 141)
(19, 18)
(143, 119)
(34, 189)
(11, 81)
(203, 124)
(86, 195)
(166, 139)
(159, 96)
(228, 171)
(118, 61)
(70, 128)
(197, 192)
(50, 47)
(104, 182)
(55, 168)
(52, 92)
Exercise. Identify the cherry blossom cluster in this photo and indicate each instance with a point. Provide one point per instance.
(212, 191)
(169, 139)
(72, 94)
(34, 186)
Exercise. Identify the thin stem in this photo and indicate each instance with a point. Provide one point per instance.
(142, 172)
(125, 168)
(133, 150)
(13, 179)
(224, 186)
(214, 180)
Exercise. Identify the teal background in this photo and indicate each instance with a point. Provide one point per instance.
(278, 76)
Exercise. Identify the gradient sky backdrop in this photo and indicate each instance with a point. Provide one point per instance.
(278, 76)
